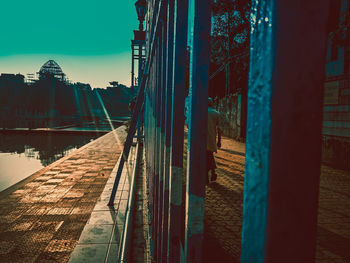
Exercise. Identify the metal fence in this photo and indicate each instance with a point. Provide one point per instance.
(283, 147)
(167, 40)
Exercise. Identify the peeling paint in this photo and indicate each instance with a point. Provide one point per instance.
(176, 185)
(196, 212)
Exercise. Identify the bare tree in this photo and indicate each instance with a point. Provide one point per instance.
(230, 42)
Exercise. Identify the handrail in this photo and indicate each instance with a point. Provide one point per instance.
(124, 248)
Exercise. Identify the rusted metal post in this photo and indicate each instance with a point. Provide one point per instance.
(283, 147)
(199, 31)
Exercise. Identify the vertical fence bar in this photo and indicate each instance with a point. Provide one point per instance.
(148, 149)
(156, 148)
(199, 31)
(158, 134)
(162, 135)
(152, 148)
(155, 54)
(168, 101)
(283, 148)
(177, 130)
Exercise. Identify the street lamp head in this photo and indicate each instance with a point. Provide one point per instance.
(141, 8)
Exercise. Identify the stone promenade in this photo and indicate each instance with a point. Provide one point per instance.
(224, 205)
(42, 217)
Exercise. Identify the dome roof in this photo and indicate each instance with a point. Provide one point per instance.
(51, 67)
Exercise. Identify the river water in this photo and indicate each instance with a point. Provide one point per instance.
(24, 153)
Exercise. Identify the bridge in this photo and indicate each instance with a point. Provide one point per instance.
(149, 201)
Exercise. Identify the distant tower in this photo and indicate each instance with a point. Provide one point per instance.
(51, 68)
(30, 78)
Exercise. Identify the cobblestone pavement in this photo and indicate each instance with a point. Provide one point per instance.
(41, 219)
(333, 232)
(224, 206)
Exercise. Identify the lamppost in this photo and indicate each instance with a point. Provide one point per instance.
(138, 43)
(141, 9)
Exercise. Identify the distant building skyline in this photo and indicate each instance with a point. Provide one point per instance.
(89, 40)
(51, 101)
(77, 69)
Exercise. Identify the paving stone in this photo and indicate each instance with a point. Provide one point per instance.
(96, 234)
(112, 253)
(89, 253)
(223, 209)
(61, 245)
(102, 217)
(42, 220)
(6, 247)
(53, 257)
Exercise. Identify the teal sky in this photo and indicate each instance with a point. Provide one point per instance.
(90, 40)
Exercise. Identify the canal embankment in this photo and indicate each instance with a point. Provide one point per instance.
(23, 152)
(42, 217)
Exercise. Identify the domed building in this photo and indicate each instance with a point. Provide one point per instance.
(51, 68)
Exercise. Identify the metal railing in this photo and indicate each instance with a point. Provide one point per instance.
(125, 249)
(162, 93)
(286, 76)
(167, 39)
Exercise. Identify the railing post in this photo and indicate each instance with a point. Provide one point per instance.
(177, 130)
(167, 122)
(157, 146)
(283, 147)
(152, 152)
(161, 106)
(199, 31)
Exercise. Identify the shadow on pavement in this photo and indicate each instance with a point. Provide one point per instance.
(213, 252)
(232, 152)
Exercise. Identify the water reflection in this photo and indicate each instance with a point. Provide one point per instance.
(23, 153)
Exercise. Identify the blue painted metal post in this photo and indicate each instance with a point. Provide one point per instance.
(162, 135)
(149, 141)
(156, 148)
(199, 31)
(177, 130)
(148, 152)
(167, 122)
(151, 150)
(283, 147)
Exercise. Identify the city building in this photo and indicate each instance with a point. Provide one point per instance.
(51, 68)
(336, 117)
(51, 101)
(10, 79)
